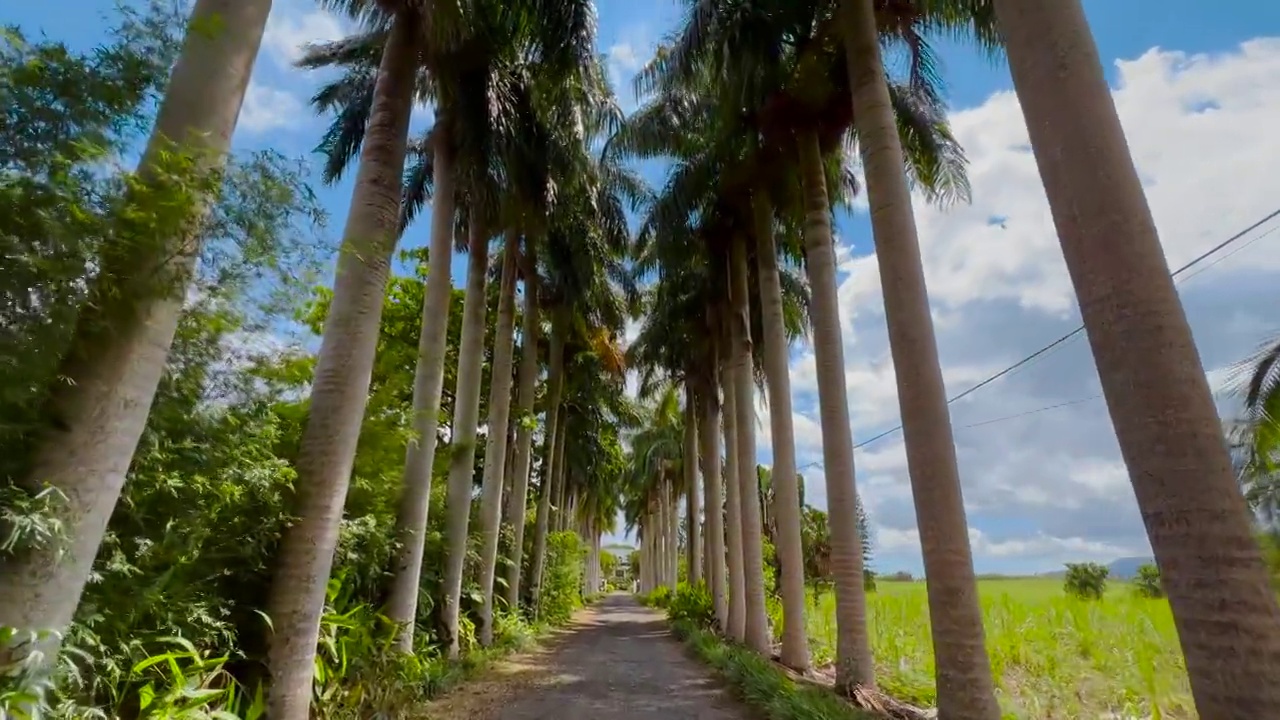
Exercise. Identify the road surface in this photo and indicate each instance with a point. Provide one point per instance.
(615, 662)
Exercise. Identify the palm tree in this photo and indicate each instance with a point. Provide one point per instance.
(674, 345)
(586, 284)
(596, 409)
(495, 451)
(466, 418)
(110, 373)
(1256, 437)
(785, 482)
(721, 148)
(693, 508)
(965, 685)
(517, 502)
(1159, 399)
(790, 74)
(343, 367)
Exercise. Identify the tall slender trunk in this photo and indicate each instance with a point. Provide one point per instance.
(341, 386)
(646, 555)
(795, 642)
(428, 380)
(495, 450)
(673, 535)
(693, 536)
(737, 629)
(598, 575)
(555, 443)
(663, 538)
(519, 498)
(109, 376)
(557, 502)
(1152, 376)
(560, 502)
(854, 665)
(965, 689)
(664, 535)
(757, 618)
(712, 485)
(466, 418)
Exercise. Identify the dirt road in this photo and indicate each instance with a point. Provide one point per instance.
(616, 662)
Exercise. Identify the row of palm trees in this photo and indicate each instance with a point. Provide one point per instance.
(755, 105)
(521, 105)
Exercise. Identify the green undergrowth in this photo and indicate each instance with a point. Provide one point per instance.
(761, 683)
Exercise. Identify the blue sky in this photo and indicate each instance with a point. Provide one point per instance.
(1197, 86)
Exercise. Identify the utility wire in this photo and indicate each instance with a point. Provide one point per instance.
(1076, 332)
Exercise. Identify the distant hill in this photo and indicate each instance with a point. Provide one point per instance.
(1127, 568)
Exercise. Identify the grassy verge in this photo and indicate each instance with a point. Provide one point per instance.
(762, 684)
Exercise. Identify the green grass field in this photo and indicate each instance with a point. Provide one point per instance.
(1054, 657)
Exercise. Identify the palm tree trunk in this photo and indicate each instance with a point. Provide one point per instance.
(965, 687)
(495, 451)
(693, 536)
(557, 502)
(519, 497)
(428, 380)
(795, 642)
(854, 666)
(673, 534)
(714, 500)
(646, 555)
(737, 629)
(667, 533)
(555, 443)
(466, 418)
(1152, 376)
(125, 331)
(561, 499)
(757, 619)
(664, 536)
(341, 386)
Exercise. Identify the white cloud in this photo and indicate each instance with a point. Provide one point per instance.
(1043, 486)
(624, 59)
(270, 108)
(292, 26)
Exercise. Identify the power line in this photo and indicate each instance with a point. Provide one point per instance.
(1076, 332)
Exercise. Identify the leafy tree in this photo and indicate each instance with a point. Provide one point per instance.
(1147, 581)
(1087, 581)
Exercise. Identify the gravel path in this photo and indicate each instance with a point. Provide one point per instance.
(616, 662)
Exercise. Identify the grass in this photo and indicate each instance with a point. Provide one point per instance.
(1054, 657)
(762, 684)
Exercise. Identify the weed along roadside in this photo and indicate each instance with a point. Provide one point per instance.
(762, 683)
(759, 681)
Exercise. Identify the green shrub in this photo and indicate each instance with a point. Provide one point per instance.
(562, 578)
(1087, 581)
(1147, 582)
(868, 580)
(692, 603)
(659, 598)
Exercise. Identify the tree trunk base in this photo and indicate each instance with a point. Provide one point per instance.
(877, 702)
(865, 698)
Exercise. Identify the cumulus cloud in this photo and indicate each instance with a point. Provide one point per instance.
(269, 108)
(1042, 475)
(292, 26)
(624, 58)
